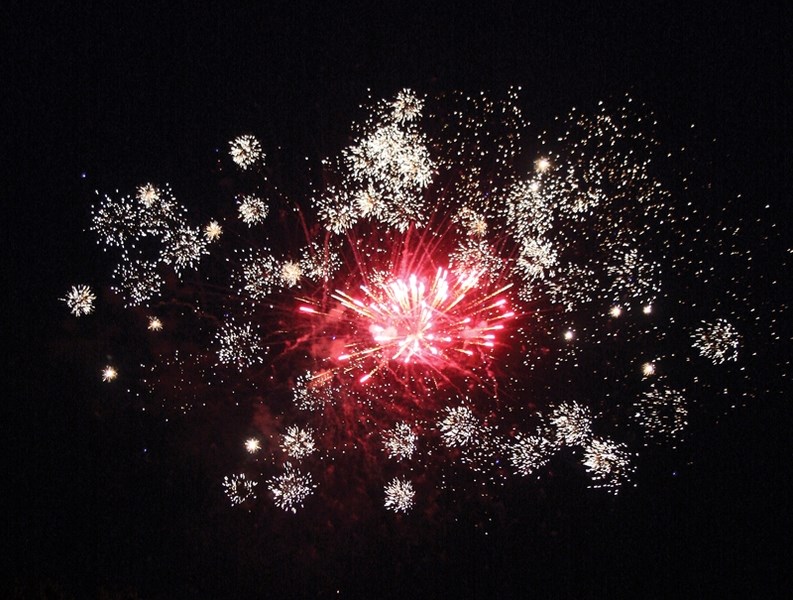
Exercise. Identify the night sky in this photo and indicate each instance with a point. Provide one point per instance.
(105, 502)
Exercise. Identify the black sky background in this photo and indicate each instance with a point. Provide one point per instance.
(104, 97)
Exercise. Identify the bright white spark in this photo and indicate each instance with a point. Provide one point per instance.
(213, 231)
(109, 373)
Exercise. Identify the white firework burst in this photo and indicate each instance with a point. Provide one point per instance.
(183, 248)
(407, 106)
(80, 300)
(260, 273)
(298, 443)
(717, 340)
(399, 495)
(529, 453)
(239, 345)
(662, 412)
(246, 151)
(608, 463)
(400, 442)
(148, 195)
(291, 272)
(312, 391)
(109, 373)
(572, 423)
(213, 231)
(137, 282)
(459, 427)
(252, 209)
(291, 488)
(238, 488)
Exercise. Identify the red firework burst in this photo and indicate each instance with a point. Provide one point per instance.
(435, 322)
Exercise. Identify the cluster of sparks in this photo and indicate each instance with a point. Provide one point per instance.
(446, 266)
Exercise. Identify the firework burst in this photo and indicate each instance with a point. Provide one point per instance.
(451, 298)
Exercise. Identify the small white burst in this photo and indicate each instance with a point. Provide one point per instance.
(213, 231)
(239, 345)
(148, 195)
(662, 412)
(80, 300)
(572, 423)
(252, 210)
(647, 309)
(407, 106)
(648, 369)
(537, 259)
(615, 311)
(400, 442)
(246, 151)
(608, 463)
(260, 273)
(569, 335)
(109, 373)
(291, 273)
(238, 488)
(527, 454)
(459, 426)
(718, 340)
(291, 488)
(252, 445)
(298, 443)
(137, 281)
(183, 248)
(399, 495)
(541, 165)
(314, 390)
(155, 324)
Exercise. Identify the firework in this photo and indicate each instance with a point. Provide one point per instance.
(239, 489)
(298, 443)
(400, 442)
(528, 454)
(608, 463)
(662, 412)
(717, 340)
(80, 300)
(213, 231)
(239, 345)
(246, 151)
(252, 445)
(109, 373)
(399, 495)
(291, 488)
(572, 424)
(252, 210)
(459, 426)
(453, 300)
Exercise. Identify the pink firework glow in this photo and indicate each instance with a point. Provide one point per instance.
(431, 322)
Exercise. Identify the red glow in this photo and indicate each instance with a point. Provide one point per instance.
(424, 320)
